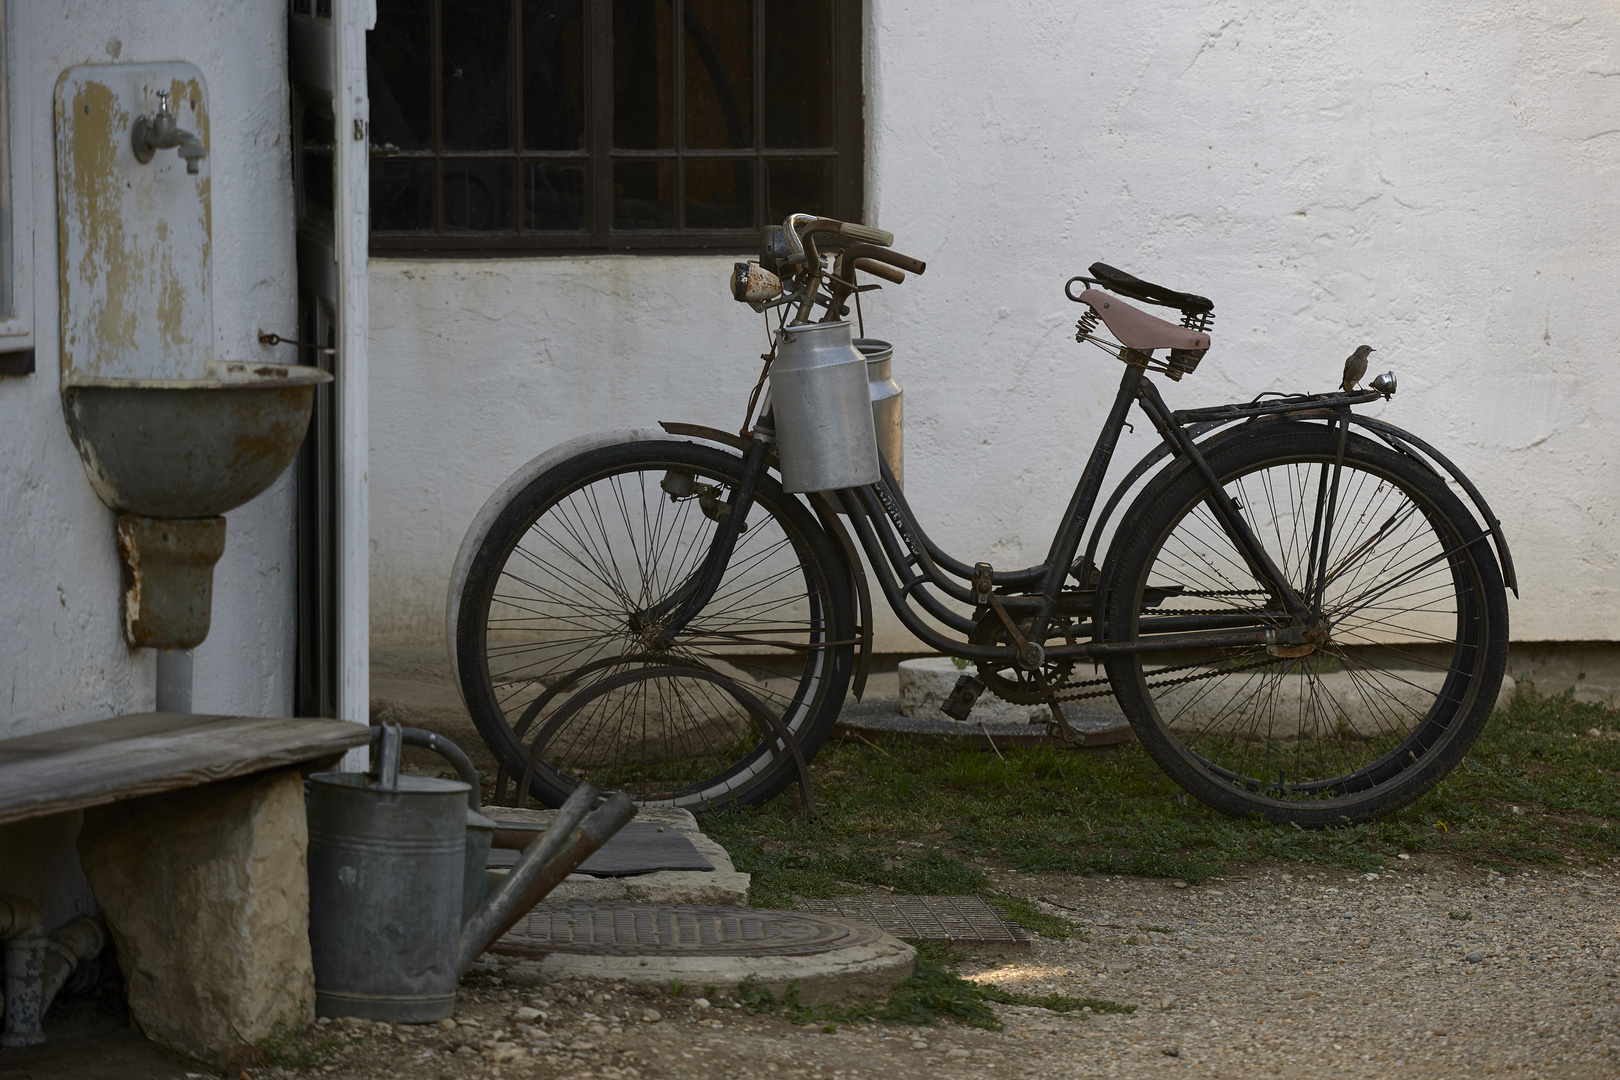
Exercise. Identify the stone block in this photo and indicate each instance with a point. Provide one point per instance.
(724, 886)
(206, 892)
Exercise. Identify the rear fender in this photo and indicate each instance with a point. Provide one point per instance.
(1401, 441)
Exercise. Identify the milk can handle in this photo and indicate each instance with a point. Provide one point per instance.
(427, 740)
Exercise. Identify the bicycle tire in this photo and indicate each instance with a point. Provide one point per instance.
(1368, 721)
(551, 653)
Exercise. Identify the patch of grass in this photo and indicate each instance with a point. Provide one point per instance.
(1463, 916)
(1035, 920)
(932, 993)
(781, 872)
(1042, 810)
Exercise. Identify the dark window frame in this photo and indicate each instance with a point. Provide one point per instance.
(599, 237)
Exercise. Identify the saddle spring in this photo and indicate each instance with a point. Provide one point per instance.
(1088, 323)
(1185, 361)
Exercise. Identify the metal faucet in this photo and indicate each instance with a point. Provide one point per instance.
(160, 132)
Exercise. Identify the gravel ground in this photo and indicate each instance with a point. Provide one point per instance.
(1431, 969)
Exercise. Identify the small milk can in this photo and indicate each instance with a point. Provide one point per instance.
(888, 410)
(823, 411)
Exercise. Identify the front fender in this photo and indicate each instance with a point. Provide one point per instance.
(508, 489)
(667, 432)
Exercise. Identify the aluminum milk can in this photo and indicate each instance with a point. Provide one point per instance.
(823, 410)
(888, 412)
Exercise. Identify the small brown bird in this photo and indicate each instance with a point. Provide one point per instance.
(1356, 366)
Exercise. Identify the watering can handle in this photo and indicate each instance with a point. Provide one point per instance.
(387, 763)
(428, 740)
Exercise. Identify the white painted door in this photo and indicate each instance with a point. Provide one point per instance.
(326, 65)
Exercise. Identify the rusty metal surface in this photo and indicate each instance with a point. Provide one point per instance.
(676, 929)
(168, 578)
(191, 451)
(926, 918)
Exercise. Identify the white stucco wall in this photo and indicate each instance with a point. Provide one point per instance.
(1435, 181)
(64, 660)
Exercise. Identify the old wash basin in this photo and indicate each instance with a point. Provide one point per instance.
(190, 448)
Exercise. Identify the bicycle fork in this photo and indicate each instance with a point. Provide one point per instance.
(672, 613)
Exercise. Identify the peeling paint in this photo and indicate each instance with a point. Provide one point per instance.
(134, 240)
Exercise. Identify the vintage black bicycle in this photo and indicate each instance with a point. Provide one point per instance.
(1301, 609)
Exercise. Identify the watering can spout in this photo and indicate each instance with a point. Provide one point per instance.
(569, 841)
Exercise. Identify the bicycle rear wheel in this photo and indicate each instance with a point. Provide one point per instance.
(1349, 729)
(558, 631)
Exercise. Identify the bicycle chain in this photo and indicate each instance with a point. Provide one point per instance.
(1073, 695)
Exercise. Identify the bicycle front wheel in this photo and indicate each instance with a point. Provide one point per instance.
(559, 646)
(1350, 728)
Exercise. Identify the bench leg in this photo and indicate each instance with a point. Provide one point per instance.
(206, 893)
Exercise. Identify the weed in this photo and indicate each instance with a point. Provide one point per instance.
(1462, 916)
(933, 992)
(930, 994)
(1035, 920)
(290, 1044)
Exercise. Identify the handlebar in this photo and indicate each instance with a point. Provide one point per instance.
(877, 269)
(884, 255)
(861, 247)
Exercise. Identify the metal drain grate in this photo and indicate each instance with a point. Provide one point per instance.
(928, 918)
(624, 929)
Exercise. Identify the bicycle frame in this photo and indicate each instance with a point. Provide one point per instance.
(907, 561)
(895, 544)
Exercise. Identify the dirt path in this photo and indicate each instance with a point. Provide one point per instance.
(1272, 973)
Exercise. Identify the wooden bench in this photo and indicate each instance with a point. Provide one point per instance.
(199, 869)
(92, 764)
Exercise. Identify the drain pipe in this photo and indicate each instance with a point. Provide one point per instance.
(174, 680)
(25, 965)
(39, 965)
(68, 950)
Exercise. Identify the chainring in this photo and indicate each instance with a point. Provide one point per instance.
(1006, 680)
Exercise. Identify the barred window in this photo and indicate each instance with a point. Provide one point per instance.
(535, 126)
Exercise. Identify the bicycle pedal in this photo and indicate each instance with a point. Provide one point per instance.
(962, 698)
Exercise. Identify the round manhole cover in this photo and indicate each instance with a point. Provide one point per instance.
(676, 930)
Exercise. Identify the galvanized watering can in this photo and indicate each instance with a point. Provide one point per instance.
(397, 887)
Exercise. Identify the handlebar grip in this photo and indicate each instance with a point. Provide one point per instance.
(877, 269)
(885, 255)
(852, 231)
(866, 234)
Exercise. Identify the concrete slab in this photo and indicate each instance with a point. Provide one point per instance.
(821, 959)
(879, 721)
(956, 920)
(724, 885)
